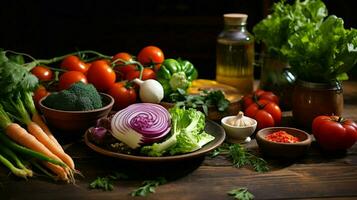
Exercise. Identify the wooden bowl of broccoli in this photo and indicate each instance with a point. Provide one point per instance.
(74, 110)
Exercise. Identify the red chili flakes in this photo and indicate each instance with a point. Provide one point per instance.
(282, 136)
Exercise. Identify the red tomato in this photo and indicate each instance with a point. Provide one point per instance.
(73, 63)
(120, 69)
(265, 112)
(101, 75)
(123, 95)
(334, 133)
(38, 94)
(70, 77)
(148, 73)
(42, 73)
(151, 55)
(257, 95)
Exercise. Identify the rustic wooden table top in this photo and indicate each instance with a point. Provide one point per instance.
(317, 175)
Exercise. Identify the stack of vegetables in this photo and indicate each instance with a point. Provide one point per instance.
(25, 140)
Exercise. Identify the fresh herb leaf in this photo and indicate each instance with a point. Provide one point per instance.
(204, 100)
(241, 194)
(148, 187)
(106, 183)
(241, 157)
(14, 77)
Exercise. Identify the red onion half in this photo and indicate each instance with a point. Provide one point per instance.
(141, 123)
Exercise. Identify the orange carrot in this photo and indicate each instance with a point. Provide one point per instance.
(59, 171)
(21, 136)
(38, 120)
(42, 137)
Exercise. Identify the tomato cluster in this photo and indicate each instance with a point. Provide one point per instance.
(263, 107)
(109, 75)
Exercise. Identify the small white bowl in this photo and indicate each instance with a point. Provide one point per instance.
(236, 134)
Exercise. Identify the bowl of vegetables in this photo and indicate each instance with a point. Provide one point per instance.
(74, 110)
(148, 132)
(283, 142)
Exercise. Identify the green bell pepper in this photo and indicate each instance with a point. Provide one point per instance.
(175, 74)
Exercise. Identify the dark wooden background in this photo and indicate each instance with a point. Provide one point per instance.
(185, 28)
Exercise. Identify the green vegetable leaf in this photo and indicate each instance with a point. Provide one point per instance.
(317, 47)
(241, 194)
(106, 183)
(148, 187)
(204, 100)
(241, 157)
(14, 77)
(103, 183)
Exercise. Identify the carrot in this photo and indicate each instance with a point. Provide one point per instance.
(38, 120)
(42, 137)
(21, 136)
(59, 171)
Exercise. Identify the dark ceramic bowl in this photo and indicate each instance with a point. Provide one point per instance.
(283, 150)
(76, 122)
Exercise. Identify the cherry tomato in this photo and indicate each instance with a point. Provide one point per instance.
(73, 63)
(334, 133)
(123, 94)
(101, 75)
(148, 73)
(42, 73)
(265, 112)
(38, 94)
(120, 69)
(151, 55)
(257, 95)
(70, 77)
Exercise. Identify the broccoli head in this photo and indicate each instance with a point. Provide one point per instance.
(79, 97)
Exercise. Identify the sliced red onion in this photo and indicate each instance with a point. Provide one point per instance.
(141, 123)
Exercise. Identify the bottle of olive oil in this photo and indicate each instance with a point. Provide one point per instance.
(235, 54)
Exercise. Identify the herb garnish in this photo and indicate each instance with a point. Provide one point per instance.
(241, 194)
(106, 183)
(148, 187)
(241, 157)
(205, 99)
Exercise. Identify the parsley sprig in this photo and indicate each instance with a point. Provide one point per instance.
(106, 183)
(205, 99)
(241, 194)
(240, 157)
(148, 187)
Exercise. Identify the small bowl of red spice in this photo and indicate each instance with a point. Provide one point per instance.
(283, 142)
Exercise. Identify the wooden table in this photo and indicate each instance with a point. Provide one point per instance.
(315, 176)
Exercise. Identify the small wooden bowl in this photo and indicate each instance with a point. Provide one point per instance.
(283, 150)
(76, 122)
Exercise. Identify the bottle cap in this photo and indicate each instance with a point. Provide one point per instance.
(235, 18)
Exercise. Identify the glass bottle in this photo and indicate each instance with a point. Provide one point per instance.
(235, 54)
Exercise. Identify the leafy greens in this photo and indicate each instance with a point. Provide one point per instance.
(187, 134)
(317, 46)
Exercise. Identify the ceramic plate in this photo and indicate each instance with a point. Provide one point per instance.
(211, 128)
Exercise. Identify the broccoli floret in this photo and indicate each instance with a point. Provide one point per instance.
(79, 97)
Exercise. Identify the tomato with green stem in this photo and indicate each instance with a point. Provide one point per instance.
(120, 68)
(257, 95)
(70, 77)
(123, 93)
(148, 73)
(334, 133)
(266, 113)
(151, 56)
(74, 63)
(43, 73)
(101, 75)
